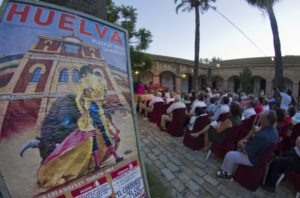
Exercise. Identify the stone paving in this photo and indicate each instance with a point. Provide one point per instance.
(185, 173)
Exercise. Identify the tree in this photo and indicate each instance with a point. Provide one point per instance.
(267, 6)
(246, 80)
(197, 5)
(139, 40)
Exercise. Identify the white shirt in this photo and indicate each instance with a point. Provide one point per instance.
(154, 100)
(285, 101)
(266, 108)
(167, 94)
(192, 121)
(249, 112)
(223, 108)
(176, 105)
(197, 103)
(170, 100)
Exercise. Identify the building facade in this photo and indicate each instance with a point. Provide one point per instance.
(177, 73)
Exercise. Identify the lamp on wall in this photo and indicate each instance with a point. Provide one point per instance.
(183, 75)
(218, 65)
(136, 72)
(272, 59)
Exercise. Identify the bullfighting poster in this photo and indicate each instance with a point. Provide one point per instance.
(66, 122)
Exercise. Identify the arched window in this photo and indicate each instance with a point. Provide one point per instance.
(75, 76)
(36, 75)
(97, 74)
(63, 76)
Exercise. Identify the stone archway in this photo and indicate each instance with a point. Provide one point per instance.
(233, 84)
(186, 82)
(259, 85)
(167, 79)
(217, 83)
(202, 82)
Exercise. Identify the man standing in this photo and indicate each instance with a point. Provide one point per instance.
(285, 99)
(177, 105)
(251, 149)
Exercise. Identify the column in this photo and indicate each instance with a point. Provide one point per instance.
(178, 83)
(268, 89)
(225, 85)
(295, 90)
(156, 80)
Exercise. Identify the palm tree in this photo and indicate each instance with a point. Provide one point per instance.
(197, 5)
(267, 5)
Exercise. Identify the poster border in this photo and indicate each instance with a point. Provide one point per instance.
(3, 188)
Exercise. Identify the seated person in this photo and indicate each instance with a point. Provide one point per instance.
(250, 149)
(199, 112)
(145, 99)
(170, 99)
(288, 115)
(177, 105)
(149, 109)
(186, 98)
(222, 108)
(199, 102)
(259, 104)
(217, 132)
(288, 161)
(211, 108)
(249, 111)
(280, 117)
(266, 106)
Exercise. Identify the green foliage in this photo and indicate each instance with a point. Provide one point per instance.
(139, 40)
(246, 80)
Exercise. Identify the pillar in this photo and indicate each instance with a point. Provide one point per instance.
(225, 85)
(178, 83)
(156, 80)
(268, 89)
(295, 90)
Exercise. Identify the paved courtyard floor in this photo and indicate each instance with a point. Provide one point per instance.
(185, 173)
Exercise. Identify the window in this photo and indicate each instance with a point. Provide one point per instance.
(36, 75)
(63, 76)
(97, 74)
(75, 76)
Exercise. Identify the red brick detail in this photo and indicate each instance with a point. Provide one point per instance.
(20, 114)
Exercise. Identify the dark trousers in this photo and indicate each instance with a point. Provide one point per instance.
(94, 113)
(289, 160)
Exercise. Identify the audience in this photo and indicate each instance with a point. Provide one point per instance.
(222, 108)
(216, 132)
(251, 150)
(259, 105)
(156, 99)
(288, 161)
(199, 102)
(250, 110)
(198, 113)
(177, 105)
(149, 96)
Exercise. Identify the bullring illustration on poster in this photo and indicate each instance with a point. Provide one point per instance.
(66, 122)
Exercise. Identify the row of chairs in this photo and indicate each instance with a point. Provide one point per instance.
(249, 177)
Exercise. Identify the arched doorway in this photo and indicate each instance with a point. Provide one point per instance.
(217, 83)
(202, 82)
(233, 84)
(259, 84)
(167, 79)
(186, 82)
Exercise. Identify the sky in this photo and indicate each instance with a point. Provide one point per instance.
(173, 34)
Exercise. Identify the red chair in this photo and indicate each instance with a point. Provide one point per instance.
(223, 117)
(175, 127)
(294, 178)
(282, 133)
(251, 177)
(250, 123)
(157, 112)
(166, 106)
(290, 139)
(192, 142)
(243, 131)
(188, 107)
(229, 143)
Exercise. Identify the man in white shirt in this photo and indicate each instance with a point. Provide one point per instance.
(170, 98)
(177, 105)
(285, 100)
(199, 102)
(156, 99)
(250, 110)
(223, 108)
(266, 106)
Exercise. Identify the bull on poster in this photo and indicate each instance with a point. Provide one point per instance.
(66, 120)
